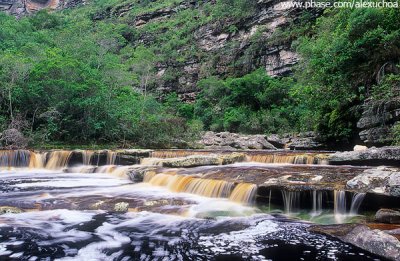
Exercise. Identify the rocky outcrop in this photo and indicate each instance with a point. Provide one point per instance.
(227, 140)
(389, 155)
(23, 7)
(390, 216)
(375, 241)
(195, 160)
(377, 119)
(381, 180)
(226, 47)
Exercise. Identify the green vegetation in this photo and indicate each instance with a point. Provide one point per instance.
(88, 76)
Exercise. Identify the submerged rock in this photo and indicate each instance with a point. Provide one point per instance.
(121, 207)
(10, 210)
(374, 241)
(390, 216)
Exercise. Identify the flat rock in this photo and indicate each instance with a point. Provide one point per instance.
(195, 160)
(389, 155)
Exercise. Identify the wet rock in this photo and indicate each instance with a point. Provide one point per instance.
(121, 207)
(389, 155)
(10, 210)
(381, 180)
(390, 216)
(374, 241)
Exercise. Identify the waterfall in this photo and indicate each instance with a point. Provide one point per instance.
(111, 157)
(291, 200)
(285, 158)
(339, 205)
(87, 157)
(37, 160)
(58, 159)
(14, 158)
(356, 202)
(262, 157)
(243, 193)
(317, 203)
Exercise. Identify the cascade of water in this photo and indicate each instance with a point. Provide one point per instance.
(243, 193)
(339, 205)
(37, 160)
(111, 157)
(105, 169)
(205, 187)
(14, 158)
(283, 158)
(58, 159)
(148, 176)
(356, 202)
(291, 200)
(269, 200)
(87, 156)
(317, 202)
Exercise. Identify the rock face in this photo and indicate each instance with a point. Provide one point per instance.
(377, 119)
(224, 47)
(374, 241)
(389, 155)
(390, 216)
(23, 7)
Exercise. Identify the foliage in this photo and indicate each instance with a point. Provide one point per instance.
(254, 103)
(78, 81)
(340, 62)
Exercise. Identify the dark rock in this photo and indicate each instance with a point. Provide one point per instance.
(390, 216)
(377, 119)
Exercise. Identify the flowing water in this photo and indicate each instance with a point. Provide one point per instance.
(96, 213)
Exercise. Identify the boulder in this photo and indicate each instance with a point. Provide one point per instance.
(360, 148)
(390, 216)
(374, 241)
(381, 180)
